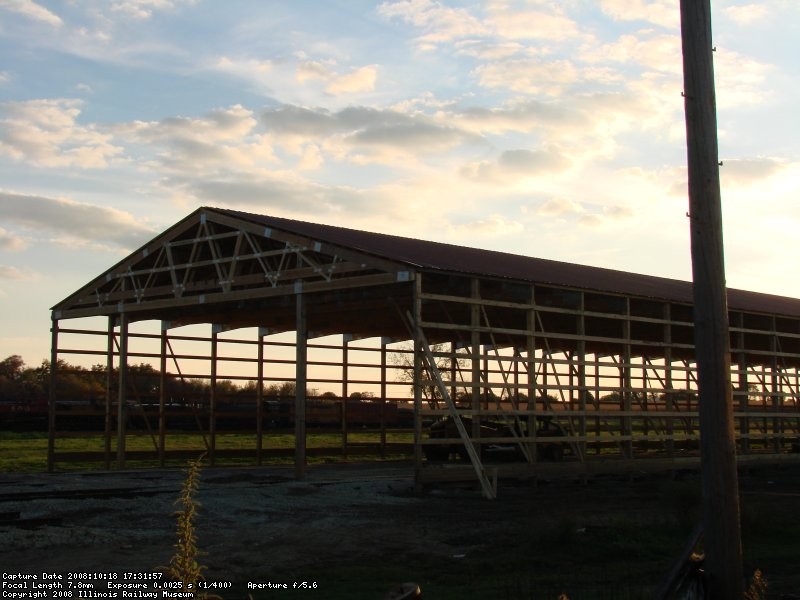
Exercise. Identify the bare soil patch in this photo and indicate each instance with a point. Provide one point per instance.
(356, 530)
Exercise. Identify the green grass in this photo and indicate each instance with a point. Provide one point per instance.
(27, 451)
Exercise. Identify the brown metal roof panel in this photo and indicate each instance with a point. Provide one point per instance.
(461, 259)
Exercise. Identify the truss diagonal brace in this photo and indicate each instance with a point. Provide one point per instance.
(489, 490)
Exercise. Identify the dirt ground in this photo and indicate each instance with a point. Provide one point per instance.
(259, 525)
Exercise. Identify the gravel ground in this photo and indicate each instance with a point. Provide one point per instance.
(249, 519)
(254, 523)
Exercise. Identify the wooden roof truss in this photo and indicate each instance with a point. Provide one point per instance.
(209, 258)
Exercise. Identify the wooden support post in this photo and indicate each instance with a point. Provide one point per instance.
(626, 384)
(51, 403)
(122, 390)
(776, 396)
(212, 400)
(669, 403)
(743, 387)
(108, 417)
(301, 377)
(530, 351)
(453, 370)
(475, 360)
(260, 399)
(384, 367)
(723, 544)
(162, 396)
(582, 389)
(345, 392)
(415, 321)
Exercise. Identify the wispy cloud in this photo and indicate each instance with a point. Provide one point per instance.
(439, 23)
(14, 273)
(664, 13)
(364, 134)
(74, 220)
(556, 207)
(144, 9)
(358, 80)
(512, 166)
(745, 14)
(33, 11)
(46, 133)
(494, 225)
(10, 241)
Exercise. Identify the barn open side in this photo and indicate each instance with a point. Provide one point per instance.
(529, 365)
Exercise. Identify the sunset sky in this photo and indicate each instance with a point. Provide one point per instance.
(550, 129)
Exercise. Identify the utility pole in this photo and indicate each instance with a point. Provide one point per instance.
(723, 545)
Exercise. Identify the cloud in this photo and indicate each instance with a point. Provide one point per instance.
(513, 165)
(502, 20)
(8, 272)
(557, 207)
(274, 193)
(74, 220)
(567, 210)
(533, 161)
(492, 226)
(664, 13)
(745, 14)
(583, 127)
(257, 70)
(440, 24)
(740, 80)
(748, 171)
(364, 134)
(655, 51)
(617, 212)
(528, 75)
(46, 133)
(358, 80)
(591, 220)
(224, 138)
(312, 70)
(33, 11)
(10, 241)
(545, 22)
(219, 125)
(144, 9)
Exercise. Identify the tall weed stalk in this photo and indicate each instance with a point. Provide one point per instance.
(185, 566)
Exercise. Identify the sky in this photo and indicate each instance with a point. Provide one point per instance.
(546, 128)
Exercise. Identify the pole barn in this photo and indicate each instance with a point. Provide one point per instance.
(481, 365)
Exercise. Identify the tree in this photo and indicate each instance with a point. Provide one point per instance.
(403, 360)
(11, 367)
(20, 384)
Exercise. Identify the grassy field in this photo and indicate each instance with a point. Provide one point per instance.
(27, 451)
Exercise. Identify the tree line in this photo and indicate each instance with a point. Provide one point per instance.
(27, 385)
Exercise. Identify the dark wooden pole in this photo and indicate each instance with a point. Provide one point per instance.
(52, 396)
(122, 390)
(301, 377)
(723, 547)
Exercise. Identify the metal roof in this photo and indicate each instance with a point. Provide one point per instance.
(437, 256)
